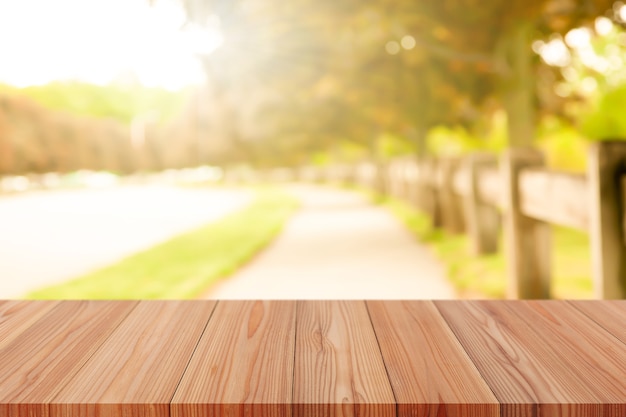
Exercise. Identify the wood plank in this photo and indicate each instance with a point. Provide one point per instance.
(488, 180)
(18, 315)
(430, 373)
(605, 171)
(461, 182)
(490, 186)
(528, 240)
(352, 358)
(483, 220)
(600, 356)
(339, 371)
(555, 197)
(449, 200)
(412, 179)
(137, 369)
(243, 364)
(411, 173)
(42, 359)
(526, 368)
(610, 314)
(597, 356)
(430, 180)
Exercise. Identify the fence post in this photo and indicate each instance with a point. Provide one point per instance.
(328, 172)
(528, 240)
(365, 174)
(403, 181)
(607, 164)
(412, 191)
(428, 193)
(391, 179)
(398, 178)
(380, 178)
(360, 172)
(419, 192)
(451, 209)
(482, 220)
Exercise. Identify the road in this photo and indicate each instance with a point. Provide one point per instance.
(50, 236)
(339, 246)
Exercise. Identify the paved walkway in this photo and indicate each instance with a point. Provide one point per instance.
(49, 237)
(338, 246)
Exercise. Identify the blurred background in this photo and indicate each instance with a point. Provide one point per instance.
(149, 149)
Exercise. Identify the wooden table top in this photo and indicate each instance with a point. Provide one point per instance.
(313, 358)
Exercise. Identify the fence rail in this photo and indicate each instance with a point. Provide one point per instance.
(481, 194)
(555, 197)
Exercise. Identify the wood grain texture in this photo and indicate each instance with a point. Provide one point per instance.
(528, 372)
(313, 358)
(339, 371)
(430, 373)
(610, 314)
(137, 369)
(243, 365)
(598, 358)
(17, 316)
(37, 363)
(555, 197)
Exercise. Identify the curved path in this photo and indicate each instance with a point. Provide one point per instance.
(52, 236)
(338, 246)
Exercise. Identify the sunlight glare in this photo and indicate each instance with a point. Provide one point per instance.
(98, 41)
(555, 53)
(578, 38)
(202, 41)
(537, 46)
(622, 13)
(408, 42)
(562, 90)
(392, 47)
(588, 85)
(569, 74)
(603, 26)
(591, 60)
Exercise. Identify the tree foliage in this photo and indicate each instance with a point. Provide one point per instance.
(352, 70)
(296, 78)
(118, 102)
(35, 138)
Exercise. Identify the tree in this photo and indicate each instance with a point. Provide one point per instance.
(494, 37)
(354, 70)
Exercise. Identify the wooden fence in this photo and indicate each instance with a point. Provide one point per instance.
(480, 194)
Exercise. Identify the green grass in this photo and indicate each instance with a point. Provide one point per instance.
(186, 265)
(485, 276)
(571, 257)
